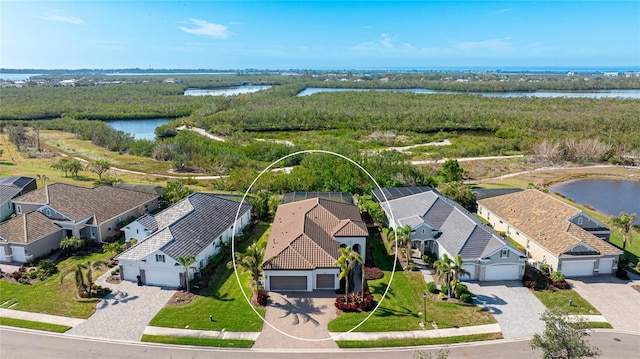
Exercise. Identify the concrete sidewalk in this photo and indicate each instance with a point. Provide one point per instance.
(417, 334)
(210, 334)
(38, 317)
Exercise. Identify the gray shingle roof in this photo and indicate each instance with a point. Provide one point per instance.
(188, 226)
(462, 233)
(8, 192)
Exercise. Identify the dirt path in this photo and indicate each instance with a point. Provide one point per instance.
(464, 159)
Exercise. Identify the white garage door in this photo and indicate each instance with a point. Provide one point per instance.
(288, 282)
(577, 268)
(471, 268)
(606, 266)
(502, 272)
(161, 278)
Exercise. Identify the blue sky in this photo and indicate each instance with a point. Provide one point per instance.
(318, 34)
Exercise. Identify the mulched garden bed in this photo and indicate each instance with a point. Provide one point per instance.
(180, 298)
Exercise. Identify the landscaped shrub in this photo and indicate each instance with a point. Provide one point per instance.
(15, 275)
(432, 287)
(371, 273)
(430, 258)
(466, 297)
(460, 289)
(262, 297)
(531, 284)
(545, 268)
(444, 289)
(557, 276)
(441, 296)
(413, 268)
(561, 285)
(22, 280)
(356, 303)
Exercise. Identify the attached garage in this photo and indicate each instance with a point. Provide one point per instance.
(606, 266)
(325, 281)
(161, 278)
(287, 283)
(471, 268)
(577, 268)
(502, 272)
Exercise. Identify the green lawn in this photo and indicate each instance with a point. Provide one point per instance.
(49, 296)
(198, 341)
(223, 300)
(560, 299)
(399, 310)
(34, 325)
(416, 342)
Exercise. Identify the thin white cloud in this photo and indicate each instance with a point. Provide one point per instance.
(59, 16)
(491, 44)
(502, 11)
(205, 28)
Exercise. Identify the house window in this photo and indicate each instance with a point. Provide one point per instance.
(137, 231)
(422, 230)
(19, 209)
(48, 211)
(501, 222)
(109, 228)
(159, 257)
(508, 230)
(504, 253)
(480, 210)
(528, 244)
(488, 216)
(580, 221)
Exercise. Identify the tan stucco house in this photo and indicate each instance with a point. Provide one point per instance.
(553, 232)
(93, 214)
(304, 242)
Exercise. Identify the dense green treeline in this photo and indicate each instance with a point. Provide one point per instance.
(528, 119)
(98, 102)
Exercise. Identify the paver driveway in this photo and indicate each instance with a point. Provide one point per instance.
(125, 313)
(515, 308)
(614, 298)
(300, 314)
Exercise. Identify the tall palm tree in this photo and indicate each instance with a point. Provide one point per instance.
(346, 261)
(84, 281)
(250, 261)
(457, 271)
(186, 262)
(443, 267)
(624, 223)
(402, 238)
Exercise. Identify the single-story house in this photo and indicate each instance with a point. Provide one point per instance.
(553, 232)
(11, 187)
(93, 214)
(441, 226)
(196, 225)
(304, 242)
(28, 236)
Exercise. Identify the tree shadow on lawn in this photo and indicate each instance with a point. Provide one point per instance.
(221, 297)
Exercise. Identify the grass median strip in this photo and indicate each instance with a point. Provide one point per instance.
(559, 299)
(205, 342)
(345, 344)
(34, 325)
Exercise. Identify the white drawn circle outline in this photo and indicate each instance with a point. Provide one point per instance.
(233, 236)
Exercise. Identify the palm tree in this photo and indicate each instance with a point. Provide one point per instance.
(346, 261)
(624, 223)
(186, 262)
(250, 261)
(84, 281)
(457, 271)
(402, 237)
(443, 267)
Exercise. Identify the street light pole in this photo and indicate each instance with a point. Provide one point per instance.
(424, 299)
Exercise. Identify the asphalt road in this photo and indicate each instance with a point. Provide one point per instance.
(24, 343)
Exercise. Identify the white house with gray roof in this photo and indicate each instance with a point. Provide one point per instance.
(197, 225)
(440, 225)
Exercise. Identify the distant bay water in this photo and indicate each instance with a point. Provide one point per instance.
(226, 91)
(630, 94)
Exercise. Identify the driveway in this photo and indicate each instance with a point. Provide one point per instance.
(614, 298)
(515, 308)
(125, 313)
(304, 315)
